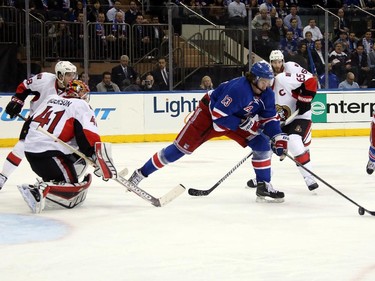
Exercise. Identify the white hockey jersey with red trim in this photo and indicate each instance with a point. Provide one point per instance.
(42, 86)
(286, 87)
(70, 119)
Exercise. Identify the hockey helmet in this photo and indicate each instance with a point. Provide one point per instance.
(262, 69)
(63, 67)
(276, 55)
(77, 89)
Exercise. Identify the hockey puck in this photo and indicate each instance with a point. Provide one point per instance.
(361, 211)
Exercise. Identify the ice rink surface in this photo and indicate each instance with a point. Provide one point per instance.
(115, 235)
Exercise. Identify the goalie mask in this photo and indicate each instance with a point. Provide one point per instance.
(77, 89)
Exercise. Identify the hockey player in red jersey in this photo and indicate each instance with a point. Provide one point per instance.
(236, 109)
(371, 162)
(295, 89)
(41, 86)
(69, 118)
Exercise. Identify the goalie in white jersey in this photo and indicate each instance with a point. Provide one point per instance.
(69, 118)
(295, 89)
(41, 86)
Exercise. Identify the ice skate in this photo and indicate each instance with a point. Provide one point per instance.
(370, 167)
(3, 179)
(136, 177)
(251, 183)
(311, 183)
(33, 196)
(266, 193)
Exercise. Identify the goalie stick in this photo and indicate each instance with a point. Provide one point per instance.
(197, 192)
(157, 202)
(361, 210)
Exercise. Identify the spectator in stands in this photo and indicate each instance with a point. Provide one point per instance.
(78, 36)
(64, 41)
(250, 62)
(268, 5)
(141, 37)
(341, 24)
(353, 42)
(333, 81)
(343, 39)
(158, 37)
(131, 14)
(260, 19)
(307, 39)
(116, 41)
(206, 83)
(123, 74)
(297, 32)
(371, 61)
(136, 86)
(99, 34)
(111, 13)
(73, 14)
(349, 82)
(340, 62)
(263, 44)
(318, 57)
(190, 17)
(161, 76)
(96, 9)
(289, 45)
(237, 13)
(315, 31)
(107, 85)
(292, 14)
(148, 84)
(360, 67)
(367, 41)
(300, 56)
(217, 11)
(281, 9)
(277, 33)
(86, 78)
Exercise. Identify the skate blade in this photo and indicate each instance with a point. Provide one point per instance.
(35, 207)
(261, 199)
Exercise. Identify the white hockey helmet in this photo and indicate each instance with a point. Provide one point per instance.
(63, 67)
(276, 55)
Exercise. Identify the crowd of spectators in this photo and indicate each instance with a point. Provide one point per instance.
(276, 24)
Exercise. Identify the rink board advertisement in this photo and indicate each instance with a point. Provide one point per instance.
(147, 116)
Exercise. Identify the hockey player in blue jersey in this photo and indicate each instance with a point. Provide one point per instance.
(239, 109)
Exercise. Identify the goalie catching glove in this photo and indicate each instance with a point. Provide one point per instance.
(279, 145)
(103, 161)
(251, 125)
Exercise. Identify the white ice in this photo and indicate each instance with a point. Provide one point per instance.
(227, 236)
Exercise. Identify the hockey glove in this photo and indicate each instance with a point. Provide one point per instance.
(104, 162)
(14, 107)
(250, 125)
(303, 106)
(279, 145)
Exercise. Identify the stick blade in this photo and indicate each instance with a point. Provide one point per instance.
(197, 192)
(171, 195)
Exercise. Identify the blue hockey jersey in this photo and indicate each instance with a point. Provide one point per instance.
(234, 101)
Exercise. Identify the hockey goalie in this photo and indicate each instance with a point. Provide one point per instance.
(69, 118)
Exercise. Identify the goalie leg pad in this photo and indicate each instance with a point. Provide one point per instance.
(104, 161)
(68, 195)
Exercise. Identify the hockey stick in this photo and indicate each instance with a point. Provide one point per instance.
(157, 202)
(361, 210)
(197, 192)
(290, 119)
